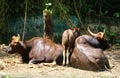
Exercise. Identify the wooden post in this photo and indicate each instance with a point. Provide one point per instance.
(48, 24)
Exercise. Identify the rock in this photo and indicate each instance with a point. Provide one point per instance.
(2, 65)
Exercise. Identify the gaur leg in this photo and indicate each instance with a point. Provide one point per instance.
(50, 64)
(94, 61)
(107, 65)
(67, 57)
(35, 61)
(64, 57)
(69, 52)
(104, 64)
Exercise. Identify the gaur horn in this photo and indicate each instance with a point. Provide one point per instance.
(18, 35)
(17, 38)
(91, 33)
(104, 31)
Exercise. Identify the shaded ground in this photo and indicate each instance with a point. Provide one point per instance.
(10, 65)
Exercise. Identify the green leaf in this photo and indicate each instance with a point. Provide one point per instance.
(106, 12)
(112, 34)
(48, 4)
(8, 76)
(116, 14)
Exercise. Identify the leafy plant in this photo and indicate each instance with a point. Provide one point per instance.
(116, 14)
(118, 42)
(8, 76)
(47, 5)
(103, 13)
(112, 34)
(46, 8)
(100, 28)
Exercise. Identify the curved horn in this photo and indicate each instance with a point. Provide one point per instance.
(104, 30)
(18, 35)
(17, 38)
(91, 33)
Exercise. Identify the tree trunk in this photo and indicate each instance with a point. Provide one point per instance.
(48, 25)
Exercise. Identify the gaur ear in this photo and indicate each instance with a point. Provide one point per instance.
(76, 29)
(14, 37)
(17, 39)
(103, 36)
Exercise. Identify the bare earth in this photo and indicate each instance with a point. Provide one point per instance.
(12, 67)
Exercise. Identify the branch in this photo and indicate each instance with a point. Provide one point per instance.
(26, 3)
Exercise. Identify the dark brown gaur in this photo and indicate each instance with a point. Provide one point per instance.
(87, 57)
(36, 50)
(68, 39)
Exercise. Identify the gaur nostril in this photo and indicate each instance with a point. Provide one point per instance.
(5, 49)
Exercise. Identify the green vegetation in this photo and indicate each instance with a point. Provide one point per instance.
(62, 9)
(112, 34)
(48, 11)
(8, 76)
(79, 7)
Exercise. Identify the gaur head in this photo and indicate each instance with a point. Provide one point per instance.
(98, 36)
(15, 45)
(101, 40)
(76, 31)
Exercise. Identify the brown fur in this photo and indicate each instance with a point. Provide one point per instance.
(68, 39)
(37, 50)
(85, 56)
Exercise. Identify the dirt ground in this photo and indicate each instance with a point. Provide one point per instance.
(12, 67)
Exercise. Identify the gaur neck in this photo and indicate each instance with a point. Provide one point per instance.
(104, 44)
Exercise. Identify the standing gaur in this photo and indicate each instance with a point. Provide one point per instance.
(68, 40)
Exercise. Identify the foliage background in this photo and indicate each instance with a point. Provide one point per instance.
(66, 13)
